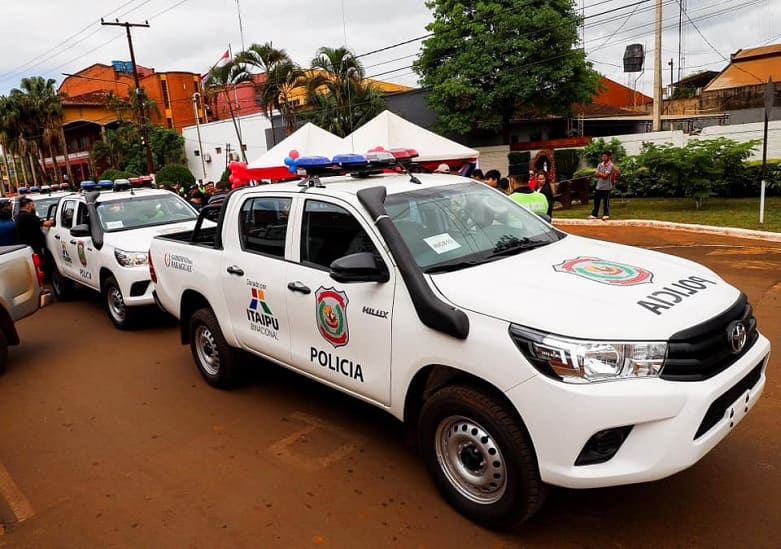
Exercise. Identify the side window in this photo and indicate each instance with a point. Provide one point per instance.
(329, 232)
(263, 225)
(68, 211)
(82, 215)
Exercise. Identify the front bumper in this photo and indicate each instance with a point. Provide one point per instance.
(136, 287)
(665, 417)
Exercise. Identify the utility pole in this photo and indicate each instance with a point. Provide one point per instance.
(150, 164)
(657, 116)
(197, 96)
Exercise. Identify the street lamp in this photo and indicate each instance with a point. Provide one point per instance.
(196, 97)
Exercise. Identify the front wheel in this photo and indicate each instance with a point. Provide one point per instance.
(63, 288)
(122, 316)
(480, 456)
(217, 361)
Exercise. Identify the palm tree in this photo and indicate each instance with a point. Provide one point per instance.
(338, 92)
(282, 77)
(220, 80)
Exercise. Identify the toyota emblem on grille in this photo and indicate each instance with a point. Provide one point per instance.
(737, 336)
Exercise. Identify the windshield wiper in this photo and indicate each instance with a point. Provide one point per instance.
(449, 267)
(516, 246)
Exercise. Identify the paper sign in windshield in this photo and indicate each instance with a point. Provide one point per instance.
(114, 225)
(442, 243)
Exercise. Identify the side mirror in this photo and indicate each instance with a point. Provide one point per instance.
(80, 231)
(360, 267)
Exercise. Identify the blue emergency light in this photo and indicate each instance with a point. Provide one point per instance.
(23, 190)
(105, 184)
(350, 161)
(88, 185)
(35, 189)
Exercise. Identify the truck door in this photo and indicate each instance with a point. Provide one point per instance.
(253, 279)
(341, 332)
(85, 260)
(59, 238)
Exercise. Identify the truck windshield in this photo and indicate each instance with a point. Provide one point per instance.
(135, 212)
(456, 226)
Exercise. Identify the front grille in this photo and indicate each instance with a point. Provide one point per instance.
(139, 288)
(704, 350)
(720, 405)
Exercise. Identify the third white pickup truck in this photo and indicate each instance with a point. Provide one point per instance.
(522, 356)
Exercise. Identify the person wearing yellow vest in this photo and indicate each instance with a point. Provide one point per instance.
(523, 195)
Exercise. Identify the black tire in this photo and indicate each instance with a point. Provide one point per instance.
(480, 456)
(218, 362)
(62, 287)
(122, 316)
(3, 351)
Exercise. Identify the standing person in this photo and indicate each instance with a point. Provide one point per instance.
(504, 185)
(196, 198)
(607, 173)
(7, 226)
(544, 187)
(28, 231)
(523, 195)
(220, 192)
(492, 178)
(477, 175)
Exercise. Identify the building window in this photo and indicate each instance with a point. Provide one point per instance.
(244, 147)
(197, 153)
(170, 123)
(166, 99)
(218, 149)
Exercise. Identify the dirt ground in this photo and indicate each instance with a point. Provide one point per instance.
(111, 438)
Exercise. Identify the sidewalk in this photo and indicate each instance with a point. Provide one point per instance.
(727, 231)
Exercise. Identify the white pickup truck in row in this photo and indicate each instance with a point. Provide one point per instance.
(522, 356)
(21, 293)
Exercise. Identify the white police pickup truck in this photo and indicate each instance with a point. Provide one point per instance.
(522, 356)
(101, 239)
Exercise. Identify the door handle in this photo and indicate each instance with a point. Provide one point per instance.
(73, 242)
(298, 287)
(57, 236)
(235, 270)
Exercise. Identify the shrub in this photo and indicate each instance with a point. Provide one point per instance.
(585, 172)
(174, 173)
(593, 151)
(113, 174)
(519, 157)
(567, 161)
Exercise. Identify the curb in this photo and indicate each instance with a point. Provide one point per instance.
(709, 229)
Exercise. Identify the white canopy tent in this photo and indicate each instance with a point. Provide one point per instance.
(391, 131)
(308, 140)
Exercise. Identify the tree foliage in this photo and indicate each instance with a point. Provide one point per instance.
(488, 61)
(122, 150)
(173, 174)
(594, 150)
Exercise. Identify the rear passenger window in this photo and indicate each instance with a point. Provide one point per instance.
(263, 225)
(330, 232)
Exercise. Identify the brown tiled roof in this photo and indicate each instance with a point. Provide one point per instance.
(750, 67)
(91, 98)
(600, 109)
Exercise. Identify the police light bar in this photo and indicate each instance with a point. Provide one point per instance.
(45, 189)
(23, 190)
(351, 161)
(122, 184)
(88, 185)
(105, 184)
(35, 189)
(381, 159)
(404, 154)
(313, 165)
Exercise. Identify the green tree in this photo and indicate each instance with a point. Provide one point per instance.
(488, 61)
(122, 150)
(173, 174)
(222, 80)
(593, 151)
(339, 96)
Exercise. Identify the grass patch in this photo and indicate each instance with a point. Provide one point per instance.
(740, 213)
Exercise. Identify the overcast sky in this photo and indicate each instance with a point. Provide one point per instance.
(51, 37)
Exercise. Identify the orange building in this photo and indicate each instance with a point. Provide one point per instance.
(86, 115)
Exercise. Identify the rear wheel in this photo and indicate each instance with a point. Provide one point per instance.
(62, 287)
(218, 362)
(121, 315)
(480, 456)
(3, 351)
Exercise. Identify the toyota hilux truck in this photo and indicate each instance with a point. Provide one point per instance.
(100, 241)
(21, 293)
(520, 356)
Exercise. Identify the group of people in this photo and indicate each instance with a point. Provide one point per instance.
(534, 192)
(25, 228)
(210, 194)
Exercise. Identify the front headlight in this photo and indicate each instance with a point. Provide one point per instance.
(131, 259)
(585, 361)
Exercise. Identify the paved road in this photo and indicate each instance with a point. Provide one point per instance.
(112, 439)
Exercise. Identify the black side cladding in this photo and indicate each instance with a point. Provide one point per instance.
(95, 228)
(432, 312)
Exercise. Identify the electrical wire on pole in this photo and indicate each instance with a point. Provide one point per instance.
(150, 163)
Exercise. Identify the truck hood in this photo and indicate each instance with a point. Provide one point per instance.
(138, 240)
(586, 288)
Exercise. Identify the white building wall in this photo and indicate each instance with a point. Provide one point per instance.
(215, 136)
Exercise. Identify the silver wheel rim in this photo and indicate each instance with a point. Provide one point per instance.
(206, 348)
(116, 305)
(471, 460)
